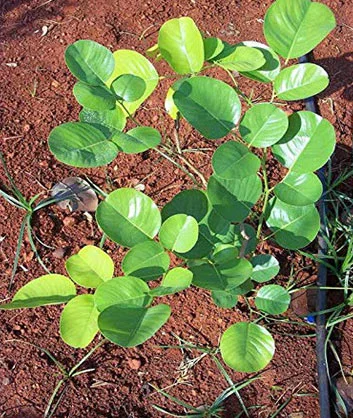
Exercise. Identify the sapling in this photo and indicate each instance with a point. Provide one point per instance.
(213, 228)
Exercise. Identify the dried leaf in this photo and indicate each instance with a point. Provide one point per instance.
(76, 194)
(345, 389)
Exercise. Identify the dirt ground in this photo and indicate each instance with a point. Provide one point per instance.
(35, 96)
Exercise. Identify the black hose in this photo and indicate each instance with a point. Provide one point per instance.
(323, 385)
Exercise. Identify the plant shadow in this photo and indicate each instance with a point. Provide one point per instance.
(340, 71)
(20, 18)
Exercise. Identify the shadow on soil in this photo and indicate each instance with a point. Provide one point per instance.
(19, 18)
(340, 72)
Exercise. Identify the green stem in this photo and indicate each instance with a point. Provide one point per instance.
(236, 88)
(129, 114)
(267, 192)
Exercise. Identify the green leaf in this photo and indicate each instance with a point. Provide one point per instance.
(308, 143)
(122, 291)
(146, 260)
(174, 281)
(179, 233)
(50, 289)
(233, 199)
(240, 58)
(224, 253)
(272, 299)
(109, 121)
(90, 267)
(299, 189)
(233, 160)
(212, 47)
(300, 81)
(94, 97)
(191, 202)
(131, 62)
(228, 299)
(78, 321)
(213, 115)
(137, 140)
(81, 145)
(128, 217)
(269, 71)
(129, 327)
(247, 347)
(293, 226)
(90, 62)
(221, 276)
(203, 246)
(128, 87)
(224, 299)
(295, 28)
(263, 125)
(265, 267)
(180, 44)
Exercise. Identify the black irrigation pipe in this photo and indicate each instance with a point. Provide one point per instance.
(323, 385)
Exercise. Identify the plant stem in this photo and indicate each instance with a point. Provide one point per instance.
(266, 194)
(236, 88)
(176, 136)
(178, 165)
(179, 154)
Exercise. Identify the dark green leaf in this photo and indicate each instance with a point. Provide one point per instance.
(224, 276)
(233, 199)
(293, 226)
(90, 62)
(109, 120)
(129, 327)
(137, 140)
(190, 202)
(213, 115)
(81, 145)
(128, 87)
(233, 160)
(94, 97)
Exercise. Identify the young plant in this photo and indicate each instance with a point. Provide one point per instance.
(215, 231)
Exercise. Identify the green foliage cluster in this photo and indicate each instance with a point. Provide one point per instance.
(214, 231)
